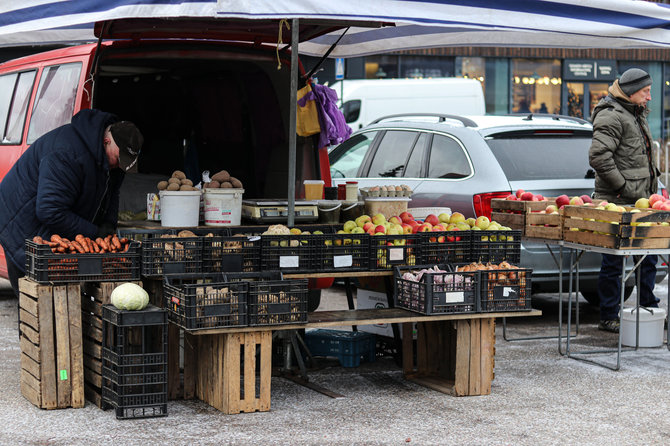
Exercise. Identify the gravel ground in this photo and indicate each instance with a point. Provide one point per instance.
(537, 397)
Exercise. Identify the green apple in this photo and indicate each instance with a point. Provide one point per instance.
(361, 220)
(482, 222)
(349, 225)
(358, 230)
(378, 219)
(642, 203)
(457, 217)
(471, 221)
(444, 217)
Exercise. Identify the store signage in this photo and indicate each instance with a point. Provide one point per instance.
(589, 70)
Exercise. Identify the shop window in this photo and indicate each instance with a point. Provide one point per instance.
(425, 67)
(536, 86)
(381, 67)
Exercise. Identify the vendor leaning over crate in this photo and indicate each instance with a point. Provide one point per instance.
(621, 156)
(66, 183)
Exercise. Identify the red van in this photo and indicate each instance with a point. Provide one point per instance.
(201, 104)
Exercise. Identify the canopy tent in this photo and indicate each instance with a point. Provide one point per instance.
(415, 23)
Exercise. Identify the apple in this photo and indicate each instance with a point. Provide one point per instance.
(407, 228)
(362, 219)
(432, 219)
(295, 231)
(540, 197)
(642, 203)
(519, 192)
(395, 220)
(406, 217)
(368, 225)
(586, 199)
(380, 229)
(349, 225)
(378, 219)
(611, 207)
(511, 197)
(551, 209)
(576, 201)
(453, 238)
(665, 207)
(653, 198)
(463, 226)
(371, 229)
(456, 217)
(426, 227)
(393, 230)
(562, 200)
(482, 222)
(657, 204)
(526, 196)
(444, 217)
(358, 230)
(438, 228)
(471, 221)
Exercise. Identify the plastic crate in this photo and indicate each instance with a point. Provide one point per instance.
(350, 347)
(43, 266)
(387, 251)
(273, 301)
(134, 361)
(496, 246)
(237, 253)
(298, 253)
(165, 253)
(445, 247)
(505, 290)
(437, 293)
(343, 252)
(207, 300)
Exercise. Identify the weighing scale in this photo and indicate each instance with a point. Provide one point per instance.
(276, 211)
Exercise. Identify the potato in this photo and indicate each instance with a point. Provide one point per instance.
(214, 184)
(187, 187)
(237, 184)
(221, 176)
(178, 174)
(162, 185)
(186, 233)
(173, 186)
(226, 185)
(174, 180)
(187, 182)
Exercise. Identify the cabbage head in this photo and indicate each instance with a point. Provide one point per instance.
(129, 296)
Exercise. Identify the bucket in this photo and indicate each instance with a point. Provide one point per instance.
(351, 210)
(329, 211)
(223, 207)
(180, 208)
(651, 326)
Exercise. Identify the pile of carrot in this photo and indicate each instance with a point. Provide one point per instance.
(83, 245)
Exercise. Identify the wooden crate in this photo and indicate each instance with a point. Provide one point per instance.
(646, 229)
(512, 213)
(454, 357)
(546, 226)
(52, 370)
(221, 367)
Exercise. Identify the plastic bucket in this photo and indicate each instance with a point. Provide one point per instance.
(651, 326)
(223, 207)
(180, 208)
(329, 211)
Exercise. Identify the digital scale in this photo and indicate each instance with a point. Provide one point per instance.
(276, 211)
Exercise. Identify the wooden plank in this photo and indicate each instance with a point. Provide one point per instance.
(441, 385)
(30, 287)
(422, 339)
(190, 365)
(407, 349)
(249, 340)
(487, 354)
(47, 346)
(266, 370)
(29, 304)
(91, 377)
(30, 334)
(106, 289)
(30, 365)
(231, 373)
(29, 319)
(91, 332)
(93, 395)
(63, 369)
(475, 358)
(462, 372)
(92, 348)
(173, 361)
(30, 388)
(30, 349)
(94, 364)
(76, 347)
(92, 307)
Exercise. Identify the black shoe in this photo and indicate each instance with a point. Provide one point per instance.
(611, 326)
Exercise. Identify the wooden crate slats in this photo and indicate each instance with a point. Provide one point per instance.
(76, 346)
(173, 362)
(47, 353)
(190, 364)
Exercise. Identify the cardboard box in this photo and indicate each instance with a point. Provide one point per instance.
(366, 299)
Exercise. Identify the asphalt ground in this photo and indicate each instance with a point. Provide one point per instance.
(537, 397)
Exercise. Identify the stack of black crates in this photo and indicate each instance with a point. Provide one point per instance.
(134, 361)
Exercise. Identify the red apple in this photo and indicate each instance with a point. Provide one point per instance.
(426, 227)
(519, 192)
(665, 206)
(438, 228)
(407, 228)
(657, 204)
(453, 238)
(371, 230)
(380, 228)
(576, 201)
(432, 219)
(653, 198)
(540, 197)
(368, 225)
(562, 200)
(536, 198)
(511, 197)
(406, 217)
(586, 199)
(526, 196)
(395, 220)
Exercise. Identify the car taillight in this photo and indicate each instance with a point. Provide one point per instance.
(482, 202)
(664, 192)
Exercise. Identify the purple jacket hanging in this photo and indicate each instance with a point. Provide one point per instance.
(334, 128)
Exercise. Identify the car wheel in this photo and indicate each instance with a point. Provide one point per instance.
(593, 298)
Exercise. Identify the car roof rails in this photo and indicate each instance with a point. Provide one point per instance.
(555, 117)
(442, 117)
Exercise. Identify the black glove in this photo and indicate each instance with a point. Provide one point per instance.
(105, 229)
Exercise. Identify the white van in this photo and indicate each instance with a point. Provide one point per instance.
(364, 100)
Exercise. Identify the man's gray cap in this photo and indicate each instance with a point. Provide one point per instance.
(633, 80)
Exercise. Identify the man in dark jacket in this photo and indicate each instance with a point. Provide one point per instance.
(66, 183)
(620, 154)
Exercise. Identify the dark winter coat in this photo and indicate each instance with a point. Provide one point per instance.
(619, 154)
(58, 185)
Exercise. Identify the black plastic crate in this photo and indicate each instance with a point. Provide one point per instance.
(445, 247)
(165, 253)
(496, 246)
(295, 252)
(44, 266)
(207, 300)
(273, 301)
(387, 251)
(437, 292)
(236, 253)
(134, 361)
(343, 252)
(505, 290)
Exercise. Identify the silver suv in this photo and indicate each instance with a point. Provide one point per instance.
(463, 162)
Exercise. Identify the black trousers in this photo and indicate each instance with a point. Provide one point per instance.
(14, 273)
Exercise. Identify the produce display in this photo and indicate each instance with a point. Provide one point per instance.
(129, 296)
(177, 181)
(84, 245)
(223, 180)
(439, 276)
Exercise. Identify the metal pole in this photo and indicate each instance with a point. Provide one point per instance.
(292, 122)
(665, 172)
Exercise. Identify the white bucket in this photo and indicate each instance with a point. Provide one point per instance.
(223, 207)
(651, 327)
(180, 208)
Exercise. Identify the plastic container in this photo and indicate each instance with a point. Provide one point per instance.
(330, 193)
(341, 191)
(329, 211)
(350, 347)
(651, 326)
(223, 207)
(351, 191)
(180, 208)
(389, 207)
(313, 189)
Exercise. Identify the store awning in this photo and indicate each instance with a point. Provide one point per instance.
(415, 23)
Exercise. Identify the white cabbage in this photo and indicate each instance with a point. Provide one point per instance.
(129, 296)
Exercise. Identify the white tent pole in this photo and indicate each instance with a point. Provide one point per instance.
(292, 122)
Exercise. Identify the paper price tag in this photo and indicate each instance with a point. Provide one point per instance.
(396, 254)
(507, 291)
(343, 261)
(289, 261)
(453, 297)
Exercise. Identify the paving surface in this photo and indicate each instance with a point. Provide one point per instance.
(537, 397)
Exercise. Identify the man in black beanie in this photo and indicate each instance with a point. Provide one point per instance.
(621, 156)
